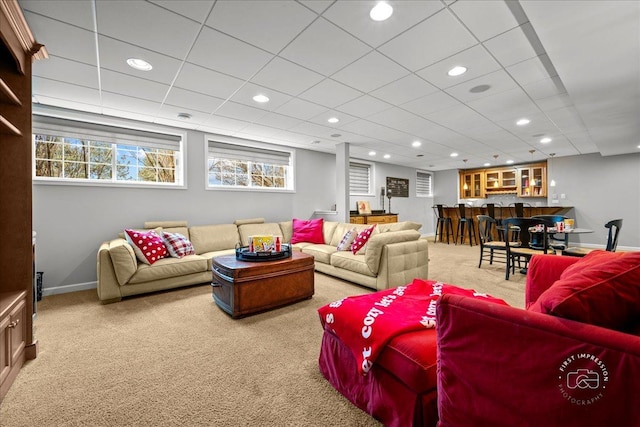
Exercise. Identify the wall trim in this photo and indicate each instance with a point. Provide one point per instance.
(69, 288)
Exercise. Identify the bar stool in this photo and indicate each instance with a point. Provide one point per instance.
(465, 222)
(491, 212)
(443, 224)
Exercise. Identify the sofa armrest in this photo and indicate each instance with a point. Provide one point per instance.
(542, 272)
(402, 262)
(116, 261)
(504, 366)
(377, 241)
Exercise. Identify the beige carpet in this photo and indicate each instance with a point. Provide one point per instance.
(174, 358)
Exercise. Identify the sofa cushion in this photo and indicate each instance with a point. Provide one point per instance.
(287, 230)
(147, 245)
(379, 240)
(348, 261)
(603, 289)
(320, 253)
(340, 230)
(177, 244)
(266, 229)
(249, 221)
(169, 267)
(307, 231)
(358, 245)
(170, 226)
(210, 238)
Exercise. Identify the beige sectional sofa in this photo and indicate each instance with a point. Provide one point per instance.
(395, 255)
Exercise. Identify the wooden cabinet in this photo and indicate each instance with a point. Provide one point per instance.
(373, 219)
(500, 181)
(472, 184)
(532, 181)
(13, 333)
(17, 50)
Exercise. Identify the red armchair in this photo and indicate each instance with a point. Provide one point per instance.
(504, 366)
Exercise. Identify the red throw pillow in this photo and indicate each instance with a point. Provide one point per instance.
(309, 231)
(603, 289)
(147, 245)
(362, 239)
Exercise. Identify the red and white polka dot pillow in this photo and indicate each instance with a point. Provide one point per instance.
(358, 245)
(147, 245)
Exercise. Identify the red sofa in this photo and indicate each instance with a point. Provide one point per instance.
(504, 366)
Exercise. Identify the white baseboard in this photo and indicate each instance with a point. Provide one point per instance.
(69, 288)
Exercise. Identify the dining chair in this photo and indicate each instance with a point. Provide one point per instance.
(443, 223)
(488, 246)
(614, 227)
(519, 244)
(557, 241)
(493, 213)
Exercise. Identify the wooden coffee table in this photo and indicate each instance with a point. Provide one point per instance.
(243, 287)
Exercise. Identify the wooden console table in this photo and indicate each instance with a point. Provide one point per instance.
(374, 218)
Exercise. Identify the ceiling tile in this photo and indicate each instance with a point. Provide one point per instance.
(545, 88)
(122, 21)
(270, 25)
(278, 121)
(71, 105)
(508, 105)
(287, 77)
(498, 81)
(392, 117)
(209, 82)
(353, 17)
(60, 90)
(198, 10)
(531, 70)
(114, 55)
(227, 55)
(514, 46)
(429, 35)
(364, 106)
(457, 117)
(239, 111)
(476, 59)
(318, 6)
(224, 125)
(197, 101)
(370, 72)
(487, 18)
(330, 93)
(121, 102)
(133, 86)
(300, 109)
(373, 130)
(56, 68)
(73, 12)
(171, 112)
(404, 90)
(325, 48)
(322, 119)
(428, 104)
(55, 36)
(245, 94)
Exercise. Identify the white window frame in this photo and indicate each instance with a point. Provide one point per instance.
(229, 140)
(418, 184)
(370, 183)
(70, 125)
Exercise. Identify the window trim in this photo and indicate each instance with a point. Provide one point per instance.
(211, 137)
(49, 115)
(418, 171)
(371, 165)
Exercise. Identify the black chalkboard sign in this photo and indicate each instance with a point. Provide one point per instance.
(399, 187)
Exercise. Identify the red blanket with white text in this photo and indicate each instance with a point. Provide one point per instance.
(366, 323)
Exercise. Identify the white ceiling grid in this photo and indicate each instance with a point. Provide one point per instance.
(386, 81)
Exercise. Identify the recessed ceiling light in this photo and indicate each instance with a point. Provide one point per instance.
(184, 116)
(387, 156)
(457, 71)
(336, 135)
(139, 64)
(381, 11)
(333, 120)
(261, 98)
(509, 162)
(419, 155)
(545, 140)
(523, 122)
(487, 164)
(638, 146)
(454, 154)
(416, 144)
(372, 153)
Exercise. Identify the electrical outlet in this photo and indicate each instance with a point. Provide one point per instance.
(563, 196)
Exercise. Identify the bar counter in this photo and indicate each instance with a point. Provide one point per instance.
(500, 213)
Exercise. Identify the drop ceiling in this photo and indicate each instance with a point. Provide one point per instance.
(571, 67)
